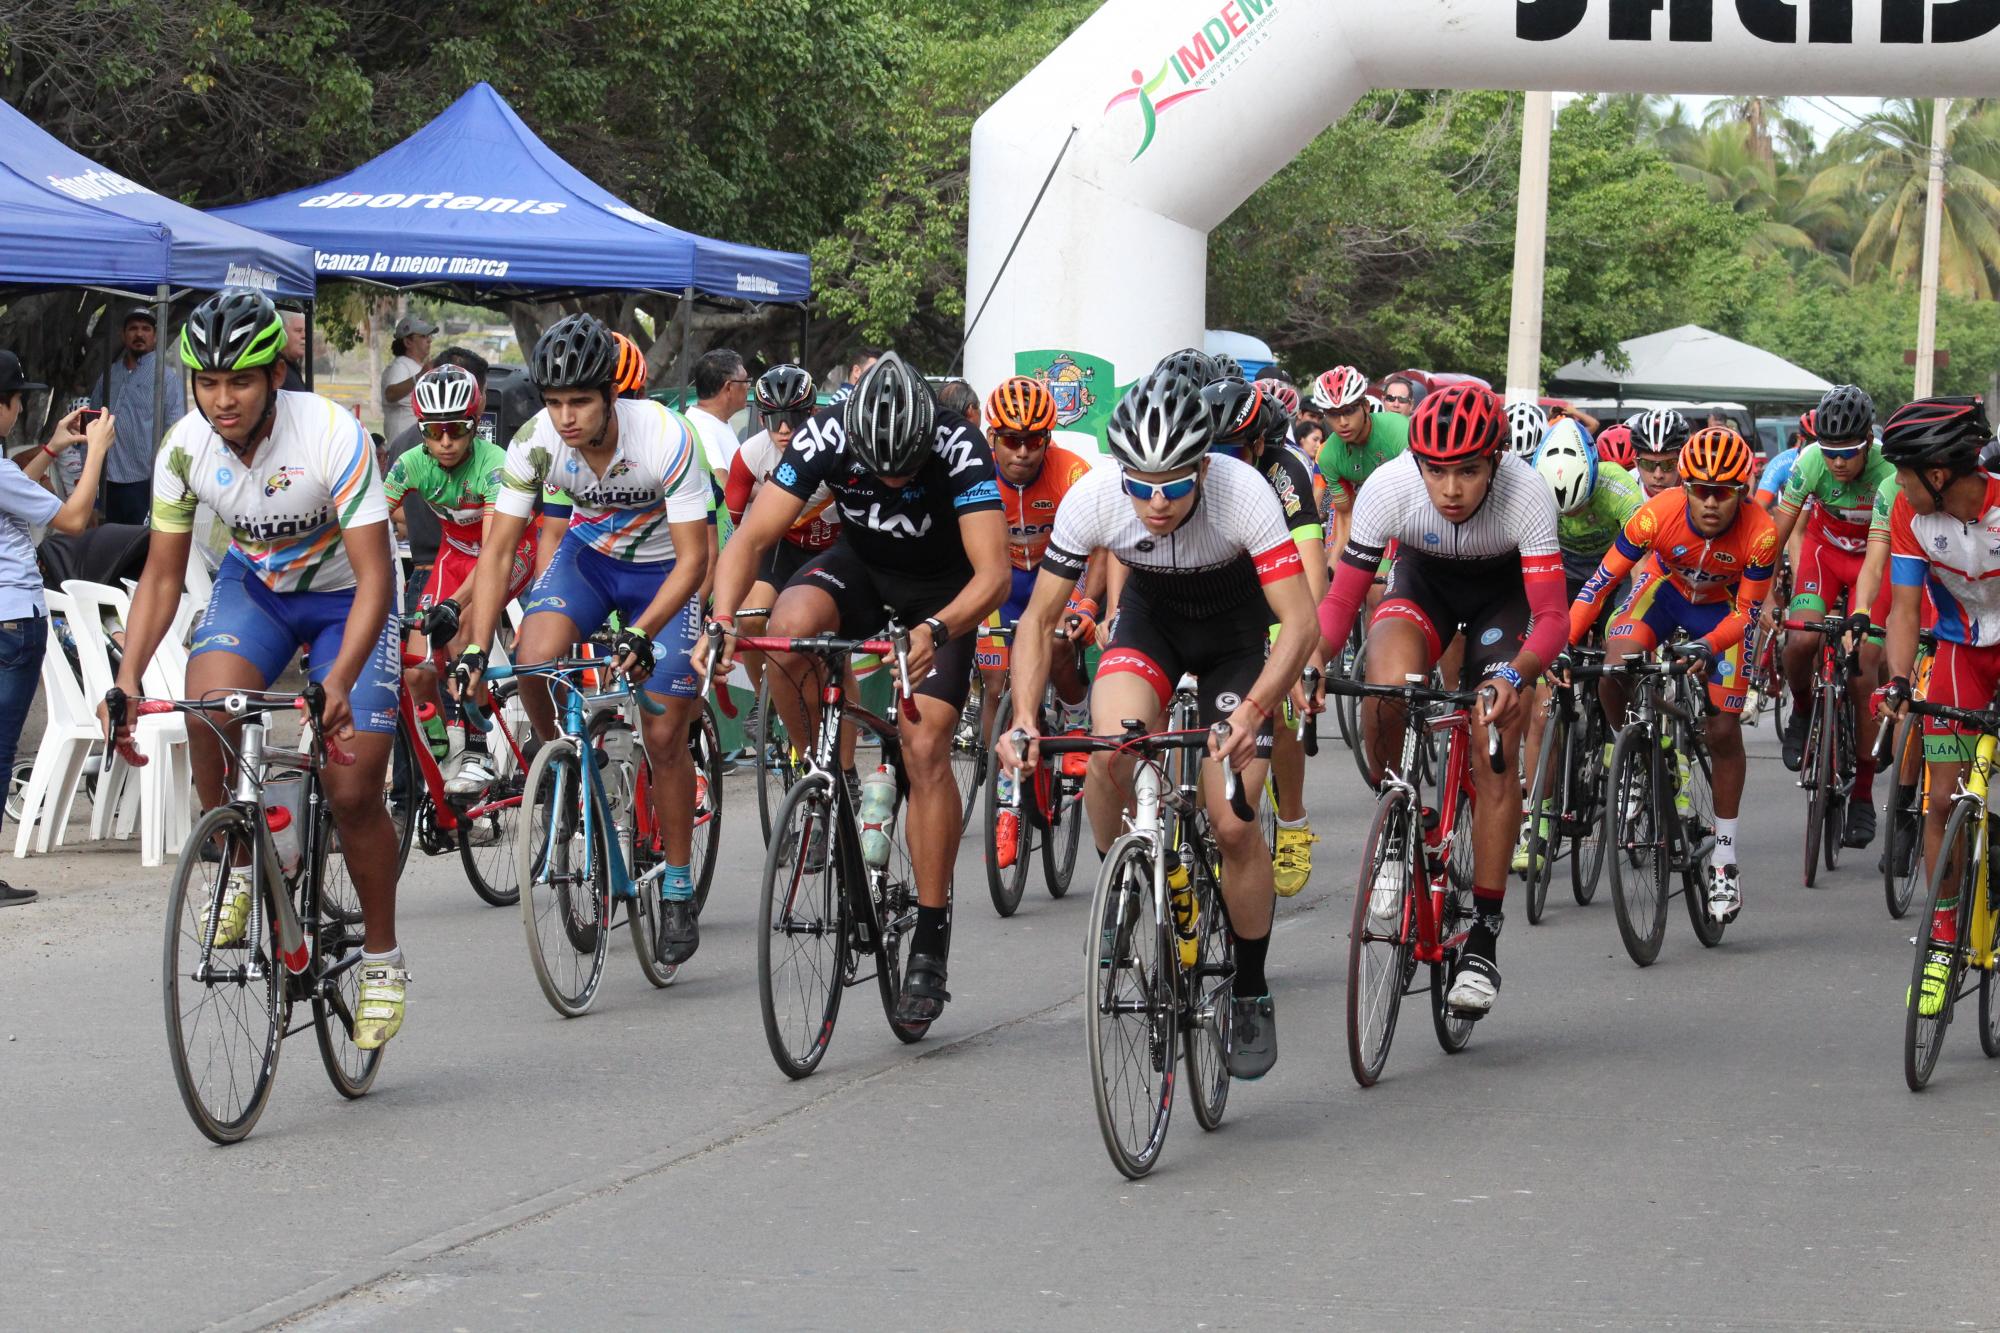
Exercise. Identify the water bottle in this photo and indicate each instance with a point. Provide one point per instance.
(878, 811)
(434, 730)
(1187, 917)
(281, 816)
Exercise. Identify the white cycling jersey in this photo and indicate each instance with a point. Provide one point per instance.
(286, 506)
(655, 477)
(1518, 517)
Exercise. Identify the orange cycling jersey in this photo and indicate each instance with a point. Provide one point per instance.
(1031, 509)
(1701, 569)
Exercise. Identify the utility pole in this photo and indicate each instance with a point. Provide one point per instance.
(1933, 242)
(1531, 234)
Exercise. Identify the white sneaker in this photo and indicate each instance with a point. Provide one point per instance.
(1385, 903)
(1725, 894)
(471, 775)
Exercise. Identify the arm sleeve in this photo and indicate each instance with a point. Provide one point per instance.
(1343, 599)
(1631, 544)
(810, 458)
(736, 495)
(1797, 486)
(975, 487)
(1542, 575)
(1908, 566)
(521, 479)
(353, 481)
(395, 483)
(1295, 499)
(687, 482)
(1076, 532)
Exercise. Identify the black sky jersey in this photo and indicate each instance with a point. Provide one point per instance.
(909, 529)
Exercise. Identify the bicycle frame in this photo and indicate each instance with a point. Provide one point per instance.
(1454, 781)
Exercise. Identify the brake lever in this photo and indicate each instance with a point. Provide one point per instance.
(1309, 717)
(1493, 756)
(1232, 783)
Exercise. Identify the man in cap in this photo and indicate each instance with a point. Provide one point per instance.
(412, 350)
(128, 474)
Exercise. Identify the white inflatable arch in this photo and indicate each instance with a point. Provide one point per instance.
(1174, 111)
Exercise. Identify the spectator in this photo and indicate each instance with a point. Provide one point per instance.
(294, 351)
(412, 350)
(1309, 436)
(1272, 372)
(960, 397)
(25, 506)
(863, 358)
(721, 388)
(1399, 395)
(128, 477)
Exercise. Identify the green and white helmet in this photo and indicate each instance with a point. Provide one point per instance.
(235, 329)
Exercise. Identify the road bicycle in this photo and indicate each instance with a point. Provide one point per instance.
(1347, 664)
(1159, 962)
(229, 1008)
(1047, 804)
(1764, 661)
(1907, 792)
(1962, 871)
(1566, 796)
(1828, 770)
(1661, 811)
(1418, 857)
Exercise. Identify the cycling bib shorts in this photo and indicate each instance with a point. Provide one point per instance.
(861, 593)
(586, 585)
(1650, 614)
(1224, 653)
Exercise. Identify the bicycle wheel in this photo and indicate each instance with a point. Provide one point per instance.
(896, 891)
(779, 763)
(1064, 833)
(1957, 873)
(970, 746)
(1818, 766)
(1129, 1008)
(1901, 863)
(1839, 774)
(1453, 1030)
(1208, 986)
(705, 750)
(1347, 707)
(1543, 829)
(486, 822)
(565, 889)
(802, 929)
(1585, 806)
(628, 789)
(337, 954)
(1697, 826)
(1006, 884)
(1638, 836)
(404, 793)
(1381, 955)
(1989, 1015)
(223, 1034)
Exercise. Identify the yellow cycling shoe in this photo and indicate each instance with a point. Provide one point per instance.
(378, 1014)
(1937, 976)
(234, 919)
(1292, 863)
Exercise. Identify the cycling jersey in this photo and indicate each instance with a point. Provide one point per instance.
(909, 529)
(1345, 467)
(813, 530)
(1771, 483)
(1232, 542)
(1885, 500)
(1587, 534)
(311, 478)
(1702, 571)
(655, 477)
(1840, 509)
(460, 497)
(1958, 562)
(1291, 480)
(1031, 509)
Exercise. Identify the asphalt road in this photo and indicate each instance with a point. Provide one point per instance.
(1723, 1140)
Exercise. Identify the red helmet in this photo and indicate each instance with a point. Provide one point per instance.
(1458, 424)
(1284, 394)
(1808, 426)
(1615, 446)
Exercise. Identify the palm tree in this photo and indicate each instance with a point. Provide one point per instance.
(1725, 162)
(1763, 116)
(1884, 165)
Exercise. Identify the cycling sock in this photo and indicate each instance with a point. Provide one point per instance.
(394, 958)
(1486, 900)
(1801, 704)
(1302, 821)
(1864, 781)
(1724, 855)
(676, 884)
(933, 932)
(1250, 955)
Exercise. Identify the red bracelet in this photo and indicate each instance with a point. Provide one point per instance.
(52, 453)
(1259, 707)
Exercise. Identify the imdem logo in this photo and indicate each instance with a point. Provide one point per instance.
(1198, 64)
(1827, 21)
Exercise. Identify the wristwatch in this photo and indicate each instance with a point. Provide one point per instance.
(939, 634)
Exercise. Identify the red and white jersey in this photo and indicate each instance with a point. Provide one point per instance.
(1958, 562)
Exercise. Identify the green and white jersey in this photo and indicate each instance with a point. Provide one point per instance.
(460, 497)
(655, 477)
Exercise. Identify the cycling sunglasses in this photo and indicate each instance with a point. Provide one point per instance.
(1711, 490)
(1021, 439)
(790, 420)
(438, 430)
(1841, 453)
(1179, 489)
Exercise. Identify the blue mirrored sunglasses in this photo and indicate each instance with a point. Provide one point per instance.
(1843, 454)
(1165, 490)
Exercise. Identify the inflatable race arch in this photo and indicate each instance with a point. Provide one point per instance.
(1161, 116)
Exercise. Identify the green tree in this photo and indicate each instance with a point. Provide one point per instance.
(1787, 213)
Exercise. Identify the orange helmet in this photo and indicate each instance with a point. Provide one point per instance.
(1021, 406)
(1718, 454)
(630, 374)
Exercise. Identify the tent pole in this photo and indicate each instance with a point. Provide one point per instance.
(160, 295)
(805, 337)
(681, 370)
(308, 367)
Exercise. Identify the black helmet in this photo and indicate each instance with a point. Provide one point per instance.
(1846, 413)
(785, 388)
(1225, 367)
(1661, 430)
(235, 329)
(890, 418)
(1190, 362)
(1935, 432)
(577, 352)
(1160, 425)
(1277, 421)
(1234, 417)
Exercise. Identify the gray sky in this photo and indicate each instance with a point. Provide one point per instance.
(1826, 115)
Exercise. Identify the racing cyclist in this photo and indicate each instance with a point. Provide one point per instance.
(1210, 565)
(1358, 441)
(1703, 556)
(1771, 482)
(293, 475)
(1527, 423)
(1614, 445)
(1657, 438)
(1478, 559)
(921, 533)
(637, 544)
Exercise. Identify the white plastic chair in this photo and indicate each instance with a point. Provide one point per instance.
(71, 736)
(166, 805)
(200, 587)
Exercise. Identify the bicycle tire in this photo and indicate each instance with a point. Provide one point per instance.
(971, 748)
(568, 922)
(705, 847)
(1206, 991)
(895, 931)
(628, 783)
(224, 1107)
(1639, 864)
(1454, 1030)
(1840, 769)
(1923, 1035)
(779, 764)
(1586, 798)
(1132, 979)
(1816, 765)
(1005, 885)
(488, 856)
(404, 793)
(1989, 1015)
(1064, 834)
(338, 934)
(1381, 959)
(1541, 834)
(1902, 866)
(800, 903)
(1702, 798)
(1347, 707)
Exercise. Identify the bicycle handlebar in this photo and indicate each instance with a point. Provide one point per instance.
(235, 704)
(1150, 744)
(500, 671)
(895, 648)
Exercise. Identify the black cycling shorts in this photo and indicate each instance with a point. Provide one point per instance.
(782, 562)
(1486, 600)
(865, 598)
(1224, 653)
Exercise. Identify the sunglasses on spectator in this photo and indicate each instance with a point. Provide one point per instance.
(1710, 490)
(1399, 400)
(1178, 489)
(1843, 452)
(1021, 439)
(789, 420)
(438, 430)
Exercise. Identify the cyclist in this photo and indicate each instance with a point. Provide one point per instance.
(1703, 557)
(922, 534)
(1209, 563)
(637, 545)
(1657, 437)
(1358, 441)
(456, 474)
(1527, 423)
(294, 477)
(1614, 445)
(1944, 534)
(1249, 424)
(1477, 558)
(1838, 478)
(1771, 482)
(1034, 476)
(1594, 501)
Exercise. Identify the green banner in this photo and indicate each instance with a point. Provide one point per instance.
(1084, 386)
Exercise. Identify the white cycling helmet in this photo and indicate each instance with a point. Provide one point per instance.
(1526, 424)
(1568, 464)
(1162, 424)
(447, 393)
(1339, 389)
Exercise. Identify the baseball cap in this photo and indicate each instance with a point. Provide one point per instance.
(11, 378)
(144, 312)
(414, 324)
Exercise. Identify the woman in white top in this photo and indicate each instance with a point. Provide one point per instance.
(412, 350)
